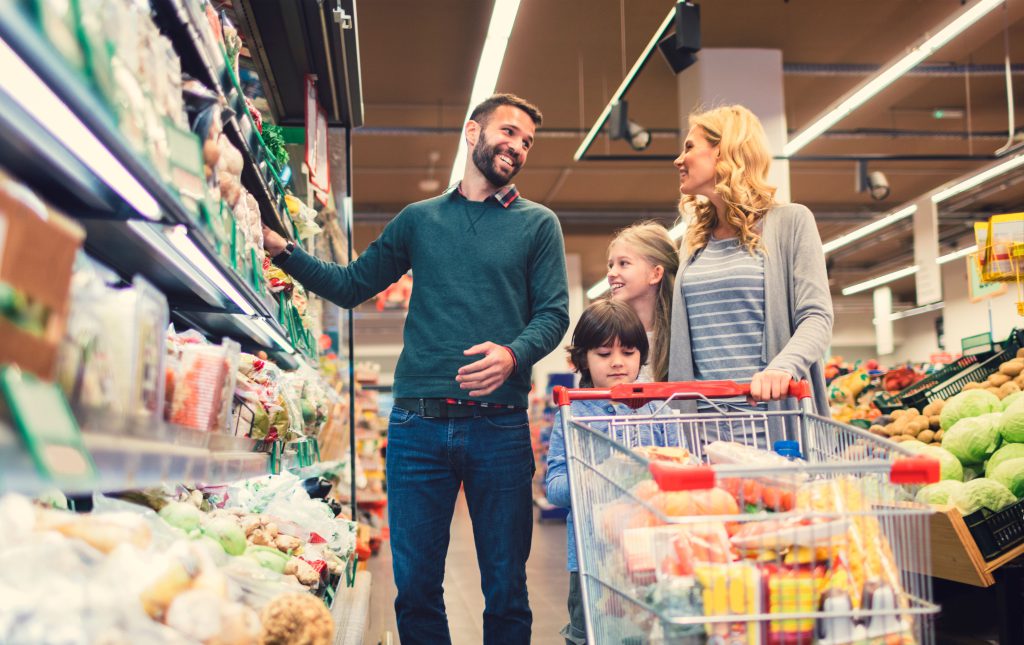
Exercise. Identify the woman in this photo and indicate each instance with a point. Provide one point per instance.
(752, 302)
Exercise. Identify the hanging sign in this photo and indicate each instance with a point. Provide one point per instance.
(316, 139)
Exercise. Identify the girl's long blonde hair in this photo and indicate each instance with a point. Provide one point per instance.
(651, 241)
(741, 174)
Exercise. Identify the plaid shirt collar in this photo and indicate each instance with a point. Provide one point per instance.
(505, 196)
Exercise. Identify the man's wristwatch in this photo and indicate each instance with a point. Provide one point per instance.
(283, 256)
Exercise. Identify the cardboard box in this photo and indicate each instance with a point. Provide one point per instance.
(36, 258)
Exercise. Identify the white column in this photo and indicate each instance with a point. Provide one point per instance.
(750, 77)
(884, 343)
(928, 279)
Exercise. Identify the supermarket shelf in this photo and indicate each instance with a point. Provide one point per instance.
(351, 610)
(955, 555)
(176, 21)
(172, 251)
(129, 463)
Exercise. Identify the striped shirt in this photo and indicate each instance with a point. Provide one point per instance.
(724, 294)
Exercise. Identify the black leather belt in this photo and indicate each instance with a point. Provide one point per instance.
(441, 409)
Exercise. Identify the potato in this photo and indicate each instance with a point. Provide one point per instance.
(1020, 353)
(1012, 367)
(897, 414)
(934, 408)
(1019, 381)
(890, 430)
(879, 430)
(939, 434)
(974, 386)
(926, 436)
(994, 390)
(997, 379)
(935, 422)
(900, 438)
(1008, 388)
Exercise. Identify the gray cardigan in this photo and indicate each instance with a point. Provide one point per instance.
(797, 304)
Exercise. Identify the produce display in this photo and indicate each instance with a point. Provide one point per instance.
(228, 565)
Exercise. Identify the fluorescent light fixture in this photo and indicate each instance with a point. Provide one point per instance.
(502, 20)
(626, 82)
(868, 229)
(29, 91)
(917, 311)
(879, 281)
(256, 330)
(953, 27)
(949, 257)
(179, 239)
(278, 338)
(978, 179)
(159, 243)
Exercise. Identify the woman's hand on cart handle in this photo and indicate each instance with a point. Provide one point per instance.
(772, 385)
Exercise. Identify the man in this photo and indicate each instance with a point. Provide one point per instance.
(490, 279)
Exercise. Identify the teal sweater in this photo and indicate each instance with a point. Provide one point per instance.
(481, 272)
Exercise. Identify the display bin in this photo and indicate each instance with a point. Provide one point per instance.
(997, 533)
(887, 403)
(900, 399)
(945, 386)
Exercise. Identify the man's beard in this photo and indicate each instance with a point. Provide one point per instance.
(483, 159)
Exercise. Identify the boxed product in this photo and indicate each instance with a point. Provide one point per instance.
(37, 250)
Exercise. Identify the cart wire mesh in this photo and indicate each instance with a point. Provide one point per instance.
(692, 531)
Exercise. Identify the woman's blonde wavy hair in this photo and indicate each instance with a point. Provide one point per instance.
(741, 174)
(651, 241)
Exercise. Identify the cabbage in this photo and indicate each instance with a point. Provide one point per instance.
(981, 493)
(182, 515)
(227, 533)
(1010, 473)
(1011, 426)
(949, 466)
(913, 445)
(268, 558)
(971, 473)
(972, 440)
(969, 403)
(939, 492)
(1010, 400)
(1008, 451)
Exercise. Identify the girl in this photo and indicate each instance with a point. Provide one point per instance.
(642, 265)
(608, 347)
(752, 303)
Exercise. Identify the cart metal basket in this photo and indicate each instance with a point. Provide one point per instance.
(717, 539)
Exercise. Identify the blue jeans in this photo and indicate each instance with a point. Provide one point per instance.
(427, 460)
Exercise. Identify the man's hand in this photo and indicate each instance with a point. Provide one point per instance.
(487, 374)
(770, 385)
(273, 242)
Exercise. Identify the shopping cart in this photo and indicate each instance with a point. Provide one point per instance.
(737, 543)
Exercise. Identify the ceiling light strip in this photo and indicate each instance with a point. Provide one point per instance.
(954, 26)
(503, 18)
(979, 178)
(949, 257)
(29, 91)
(868, 229)
(626, 82)
(917, 311)
(880, 280)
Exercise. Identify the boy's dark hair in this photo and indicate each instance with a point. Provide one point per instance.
(482, 112)
(601, 323)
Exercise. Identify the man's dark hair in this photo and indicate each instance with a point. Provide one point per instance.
(482, 112)
(600, 325)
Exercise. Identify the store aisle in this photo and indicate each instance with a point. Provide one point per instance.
(548, 581)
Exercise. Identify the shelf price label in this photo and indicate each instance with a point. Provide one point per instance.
(316, 139)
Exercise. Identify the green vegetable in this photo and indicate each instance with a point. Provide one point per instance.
(1007, 452)
(981, 493)
(913, 445)
(274, 138)
(971, 473)
(949, 466)
(1010, 473)
(227, 533)
(1010, 400)
(967, 404)
(939, 492)
(268, 558)
(972, 440)
(1011, 426)
(182, 515)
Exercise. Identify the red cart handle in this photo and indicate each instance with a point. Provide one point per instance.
(637, 394)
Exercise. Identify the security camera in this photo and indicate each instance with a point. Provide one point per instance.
(877, 185)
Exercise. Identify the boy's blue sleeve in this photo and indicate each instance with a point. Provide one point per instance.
(557, 479)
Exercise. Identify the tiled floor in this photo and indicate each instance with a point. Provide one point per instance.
(546, 576)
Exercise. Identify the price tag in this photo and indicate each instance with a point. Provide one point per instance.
(42, 415)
